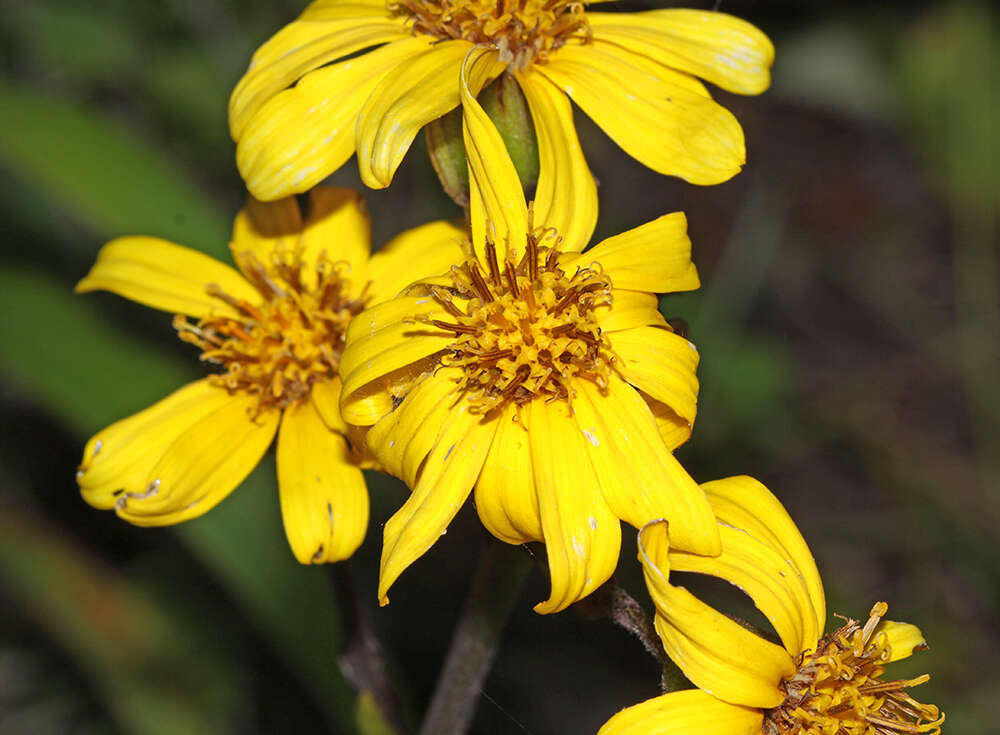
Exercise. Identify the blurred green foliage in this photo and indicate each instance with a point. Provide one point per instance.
(847, 326)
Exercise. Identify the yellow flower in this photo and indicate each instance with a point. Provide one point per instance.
(277, 331)
(807, 685)
(308, 99)
(543, 377)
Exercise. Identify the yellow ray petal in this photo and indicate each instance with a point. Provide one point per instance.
(720, 48)
(384, 339)
(424, 251)
(299, 48)
(337, 226)
(496, 200)
(445, 481)
(402, 440)
(629, 309)
(657, 119)
(653, 257)
(772, 582)
(118, 459)
(261, 227)
(653, 542)
(505, 493)
(324, 501)
(673, 429)
(566, 195)
(326, 399)
(904, 639)
(659, 363)
(715, 653)
(338, 9)
(639, 478)
(166, 276)
(684, 713)
(303, 134)
(719, 655)
(582, 535)
(745, 503)
(406, 99)
(203, 465)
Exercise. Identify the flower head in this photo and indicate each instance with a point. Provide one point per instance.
(810, 684)
(308, 100)
(542, 377)
(275, 330)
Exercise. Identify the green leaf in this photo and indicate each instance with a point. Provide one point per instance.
(46, 328)
(90, 374)
(103, 175)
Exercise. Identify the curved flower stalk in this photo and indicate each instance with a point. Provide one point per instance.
(309, 99)
(543, 377)
(810, 684)
(276, 328)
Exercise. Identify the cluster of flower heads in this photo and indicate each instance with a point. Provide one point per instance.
(496, 357)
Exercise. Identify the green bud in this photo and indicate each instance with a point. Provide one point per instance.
(447, 152)
(506, 106)
(504, 102)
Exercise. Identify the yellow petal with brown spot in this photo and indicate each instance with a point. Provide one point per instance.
(324, 501)
(204, 464)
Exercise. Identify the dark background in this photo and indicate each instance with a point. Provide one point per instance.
(848, 326)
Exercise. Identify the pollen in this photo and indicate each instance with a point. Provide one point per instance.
(525, 330)
(839, 690)
(523, 31)
(279, 348)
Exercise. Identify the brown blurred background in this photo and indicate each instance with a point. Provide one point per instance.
(848, 324)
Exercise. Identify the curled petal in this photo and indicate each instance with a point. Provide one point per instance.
(497, 209)
(445, 481)
(407, 98)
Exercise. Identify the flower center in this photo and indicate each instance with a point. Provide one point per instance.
(278, 349)
(523, 31)
(524, 330)
(838, 689)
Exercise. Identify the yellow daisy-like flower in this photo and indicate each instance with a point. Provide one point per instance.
(277, 331)
(810, 684)
(543, 377)
(308, 100)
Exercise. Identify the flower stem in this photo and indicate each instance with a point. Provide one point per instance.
(361, 661)
(613, 602)
(495, 588)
